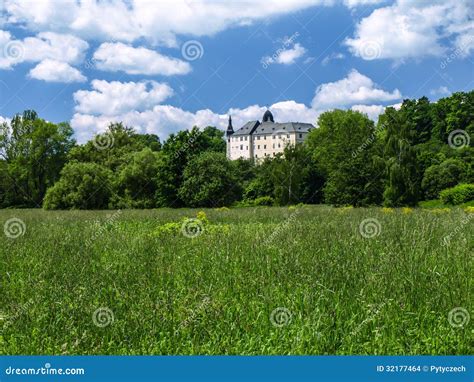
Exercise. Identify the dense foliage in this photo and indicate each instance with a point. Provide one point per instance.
(411, 155)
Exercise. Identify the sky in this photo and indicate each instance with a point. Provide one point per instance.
(164, 66)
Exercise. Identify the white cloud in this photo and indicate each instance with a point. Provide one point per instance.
(285, 55)
(441, 91)
(120, 57)
(333, 56)
(410, 29)
(4, 119)
(165, 119)
(56, 71)
(158, 22)
(46, 45)
(354, 89)
(138, 105)
(357, 3)
(372, 111)
(289, 56)
(112, 98)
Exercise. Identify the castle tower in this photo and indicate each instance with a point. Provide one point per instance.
(230, 129)
(268, 117)
(228, 133)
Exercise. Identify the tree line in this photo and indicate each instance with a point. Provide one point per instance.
(422, 151)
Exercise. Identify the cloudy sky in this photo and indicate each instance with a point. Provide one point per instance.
(168, 65)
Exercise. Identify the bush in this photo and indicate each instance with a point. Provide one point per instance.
(209, 180)
(439, 177)
(263, 201)
(81, 186)
(136, 181)
(457, 195)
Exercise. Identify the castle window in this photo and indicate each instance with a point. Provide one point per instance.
(241, 139)
(273, 137)
(301, 135)
(258, 137)
(228, 141)
(265, 137)
(256, 156)
(265, 147)
(241, 147)
(246, 147)
(245, 138)
(279, 146)
(258, 147)
(288, 135)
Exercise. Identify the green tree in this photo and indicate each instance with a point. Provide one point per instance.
(136, 181)
(295, 177)
(81, 186)
(345, 151)
(209, 180)
(34, 152)
(112, 148)
(445, 175)
(404, 180)
(178, 150)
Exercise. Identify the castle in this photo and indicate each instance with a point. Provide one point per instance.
(257, 140)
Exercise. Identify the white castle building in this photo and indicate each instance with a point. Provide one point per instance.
(257, 140)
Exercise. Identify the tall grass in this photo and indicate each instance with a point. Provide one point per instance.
(162, 292)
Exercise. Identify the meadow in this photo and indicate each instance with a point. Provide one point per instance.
(266, 280)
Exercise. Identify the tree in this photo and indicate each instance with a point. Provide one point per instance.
(439, 177)
(136, 181)
(404, 180)
(345, 151)
(295, 177)
(179, 149)
(81, 186)
(261, 184)
(209, 180)
(34, 151)
(111, 148)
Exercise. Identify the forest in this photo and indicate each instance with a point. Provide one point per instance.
(419, 153)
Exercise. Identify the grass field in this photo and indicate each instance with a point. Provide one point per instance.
(307, 280)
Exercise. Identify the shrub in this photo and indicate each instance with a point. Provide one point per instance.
(457, 195)
(81, 186)
(442, 176)
(209, 180)
(263, 201)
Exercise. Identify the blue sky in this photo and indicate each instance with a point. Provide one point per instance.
(168, 66)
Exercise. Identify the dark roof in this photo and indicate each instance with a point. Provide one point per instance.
(267, 116)
(230, 128)
(272, 128)
(247, 129)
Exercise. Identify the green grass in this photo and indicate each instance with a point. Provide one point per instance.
(215, 293)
